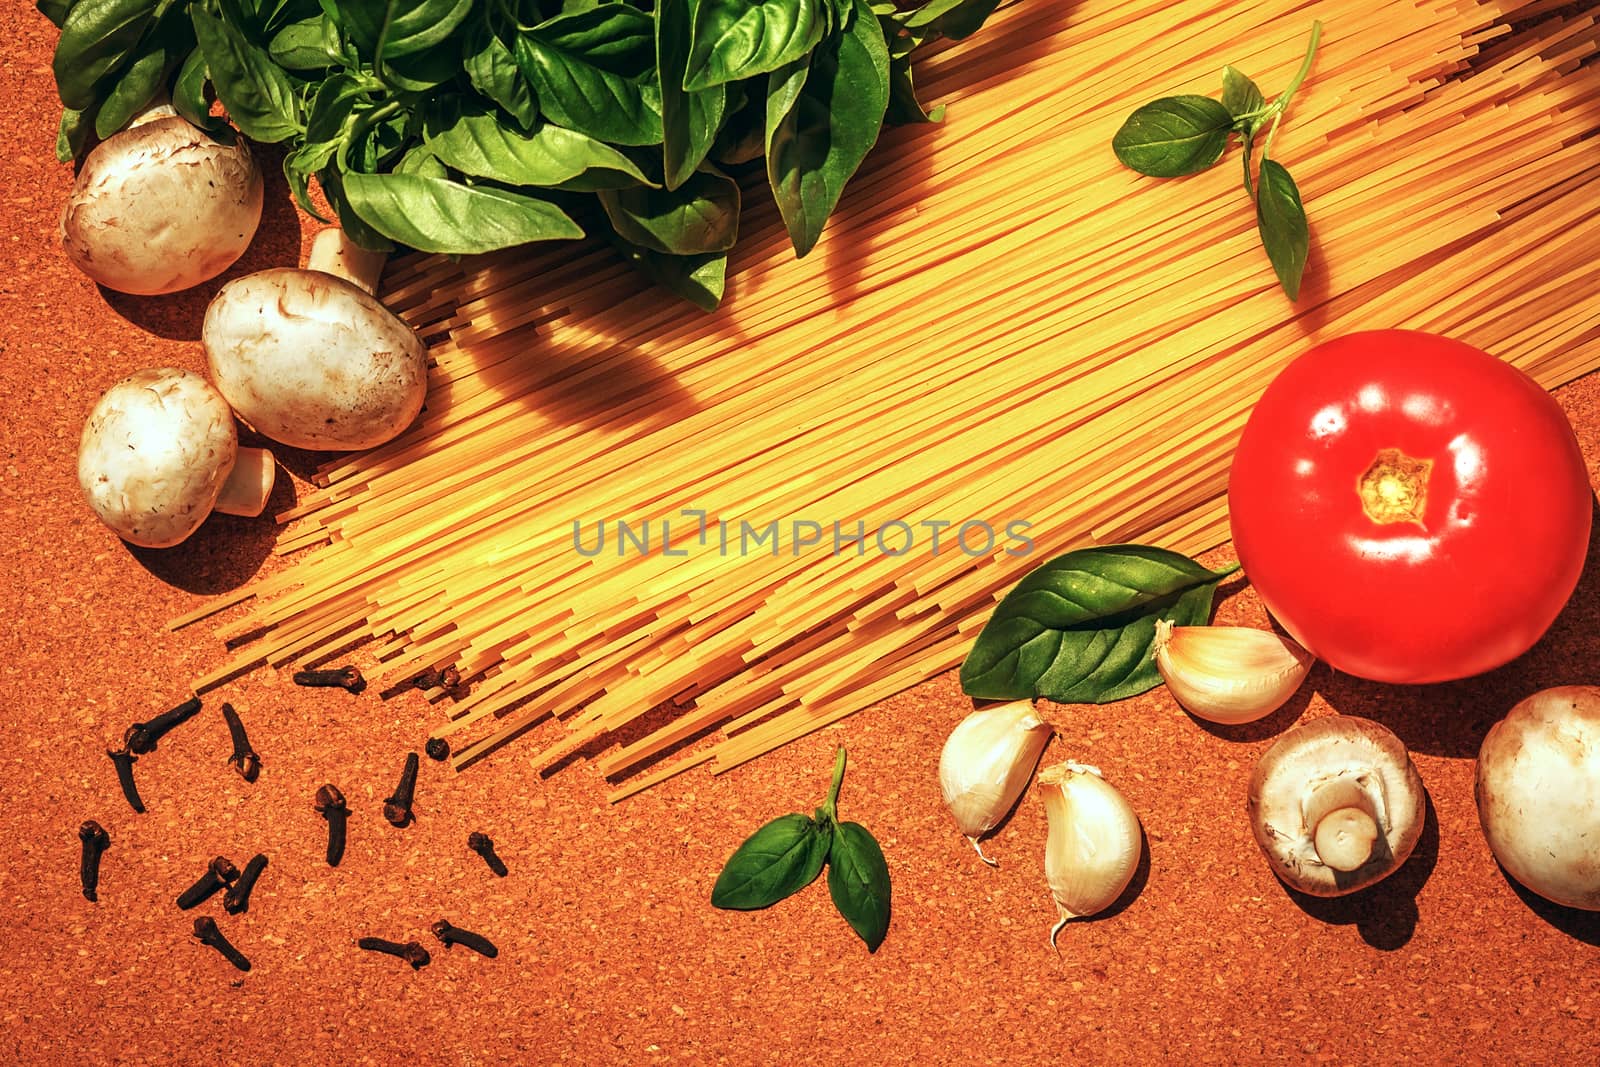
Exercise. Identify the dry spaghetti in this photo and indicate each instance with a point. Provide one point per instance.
(1000, 325)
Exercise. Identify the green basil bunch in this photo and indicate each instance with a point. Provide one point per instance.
(462, 126)
(787, 854)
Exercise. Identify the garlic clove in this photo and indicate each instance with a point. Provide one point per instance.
(1094, 843)
(1229, 674)
(986, 763)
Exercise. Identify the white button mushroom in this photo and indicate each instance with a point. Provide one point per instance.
(160, 452)
(1538, 791)
(312, 359)
(1336, 804)
(160, 207)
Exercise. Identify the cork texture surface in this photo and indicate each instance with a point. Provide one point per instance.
(609, 951)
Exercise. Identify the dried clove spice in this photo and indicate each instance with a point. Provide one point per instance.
(348, 678)
(238, 898)
(124, 760)
(244, 758)
(397, 809)
(330, 805)
(454, 935)
(220, 873)
(95, 841)
(437, 748)
(411, 951)
(205, 928)
(438, 678)
(480, 843)
(142, 736)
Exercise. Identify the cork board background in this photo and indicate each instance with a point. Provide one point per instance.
(609, 949)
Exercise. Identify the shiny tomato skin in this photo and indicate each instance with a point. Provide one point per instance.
(1459, 580)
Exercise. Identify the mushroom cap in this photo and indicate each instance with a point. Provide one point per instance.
(1538, 793)
(154, 453)
(161, 207)
(314, 361)
(1322, 751)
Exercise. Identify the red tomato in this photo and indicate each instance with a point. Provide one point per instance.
(1410, 508)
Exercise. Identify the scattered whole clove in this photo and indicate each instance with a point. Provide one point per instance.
(205, 928)
(142, 736)
(348, 678)
(244, 758)
(438, 678)
(238, 897)
(454, 935)
(1094, 843)
(986, 764)
(480, 843)
(437, 748)
(397, 809)
(331, 806)
(220, 873)
(410, 951)
(95, 841)
(123, 760)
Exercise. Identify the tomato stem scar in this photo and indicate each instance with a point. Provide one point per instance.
(1395, 487)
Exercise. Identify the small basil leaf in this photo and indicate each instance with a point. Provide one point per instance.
(493, 71)
(474, 142)
(689, 120)
(700, 216)
(421, 72)
(858, 881)
(700, 280)
(823, 116)
(141, 80)
(1281, 219)
(97, 38)
(331, 179)
(731, 40)
(1174, 136)
(590, 71)
(332, 110)
(405, 26)
(777, 861)
(1239, 94)
(299, 166)
(256, 92)
(904, 107)
(956, 19)
(436, 215)
(1079, 628)
(189, 93)
(72, 136)
(421, 162)
(298, 46)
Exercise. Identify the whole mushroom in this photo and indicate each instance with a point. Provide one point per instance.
(1538, 793)
(1336, 804)
(160, 451)
(311, 358)
(161, 206)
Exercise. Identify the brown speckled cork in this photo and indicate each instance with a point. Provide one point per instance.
(609, 949)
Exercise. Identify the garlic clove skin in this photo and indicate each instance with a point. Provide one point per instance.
(986, 764)
(1094, 842)
(1229, 674)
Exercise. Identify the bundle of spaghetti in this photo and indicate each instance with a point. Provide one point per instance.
(598, 517)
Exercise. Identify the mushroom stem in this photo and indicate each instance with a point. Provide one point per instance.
(249, 484)
(1343, 821)
(332, 252)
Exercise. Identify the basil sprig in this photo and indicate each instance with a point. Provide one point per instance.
(1180, 135)
(463, 126)
(787, 854)
(1081, 628)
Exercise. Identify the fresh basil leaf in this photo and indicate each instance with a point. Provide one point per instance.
(422, 163)
(437, 215)
(700, 280)
(591, 70)
(858, 881)
(300, 165)
(731, 40)
(298, 46)
(72, 136)
(474, 142)
(689, 120)
(701, 215)
(821, 122)
(1240, 95)
(1174, 136)
(1281, 219)
(189, 93)
(333, 110)
(405, 26)
(904, 107)
(97, 38)
(356, 228)
(256, 92)
(1079, 628)
(421, 72)
(493, 71)
(141, 80)
(775, 862)
(55, 10)
(955, 19)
